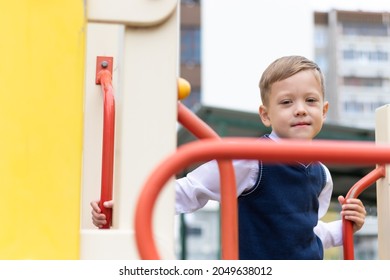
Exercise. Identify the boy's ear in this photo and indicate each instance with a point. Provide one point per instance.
(325, 109)
(263, 113)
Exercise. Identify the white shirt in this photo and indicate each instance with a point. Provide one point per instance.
(203, 184)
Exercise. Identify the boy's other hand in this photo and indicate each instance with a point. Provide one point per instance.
(353, 210)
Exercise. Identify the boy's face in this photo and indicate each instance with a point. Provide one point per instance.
(296, 107)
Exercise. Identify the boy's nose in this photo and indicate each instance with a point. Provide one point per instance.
(300, 110)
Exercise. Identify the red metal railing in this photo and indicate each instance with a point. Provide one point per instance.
(288, 151)
(354, 192)
(229, 214)
(104, 78)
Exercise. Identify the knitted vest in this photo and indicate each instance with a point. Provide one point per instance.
(277, 216)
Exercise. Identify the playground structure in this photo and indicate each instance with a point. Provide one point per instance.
(227, 149)
(52, 158)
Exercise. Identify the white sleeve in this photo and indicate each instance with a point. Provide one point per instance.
(330, 233)
(203, 184)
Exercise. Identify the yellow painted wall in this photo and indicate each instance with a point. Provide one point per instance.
(41, 115)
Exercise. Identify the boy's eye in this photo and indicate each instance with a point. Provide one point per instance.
(311, 100)
(285, 101)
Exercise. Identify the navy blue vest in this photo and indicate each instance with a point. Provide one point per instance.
(277, 216)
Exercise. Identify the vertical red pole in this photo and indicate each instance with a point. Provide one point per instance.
(229, 210)
(354, 192)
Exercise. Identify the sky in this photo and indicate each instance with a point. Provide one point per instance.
(244, 37)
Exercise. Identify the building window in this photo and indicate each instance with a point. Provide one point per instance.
(366, 55)
(364, 29)
(189, 2)
(322, 62)
(362, 82)
(353, 107)
(190, 45)
(321, 37)
(360, 107)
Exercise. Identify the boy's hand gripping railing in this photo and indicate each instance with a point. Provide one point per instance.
(104, 78)
(354, 192)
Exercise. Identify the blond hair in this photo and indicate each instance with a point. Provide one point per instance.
(283, 68)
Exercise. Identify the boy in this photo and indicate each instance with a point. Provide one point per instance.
(280, 205)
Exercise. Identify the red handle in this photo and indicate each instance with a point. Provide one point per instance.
(354, 192)
(104, 78)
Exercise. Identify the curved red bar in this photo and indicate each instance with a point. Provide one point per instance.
(104, 76)
(287, 151)
(229, 214)
(354, 192)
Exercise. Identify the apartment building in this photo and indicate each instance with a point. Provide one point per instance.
(190, 48)
(353, 49)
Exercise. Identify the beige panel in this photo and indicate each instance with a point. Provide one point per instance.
(134, 12)
(382, 134)
(145, 87)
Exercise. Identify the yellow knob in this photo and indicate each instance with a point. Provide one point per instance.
(183, 88)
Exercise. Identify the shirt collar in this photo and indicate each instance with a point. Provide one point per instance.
(274, 136)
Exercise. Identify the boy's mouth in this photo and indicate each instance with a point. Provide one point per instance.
(300, 124)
